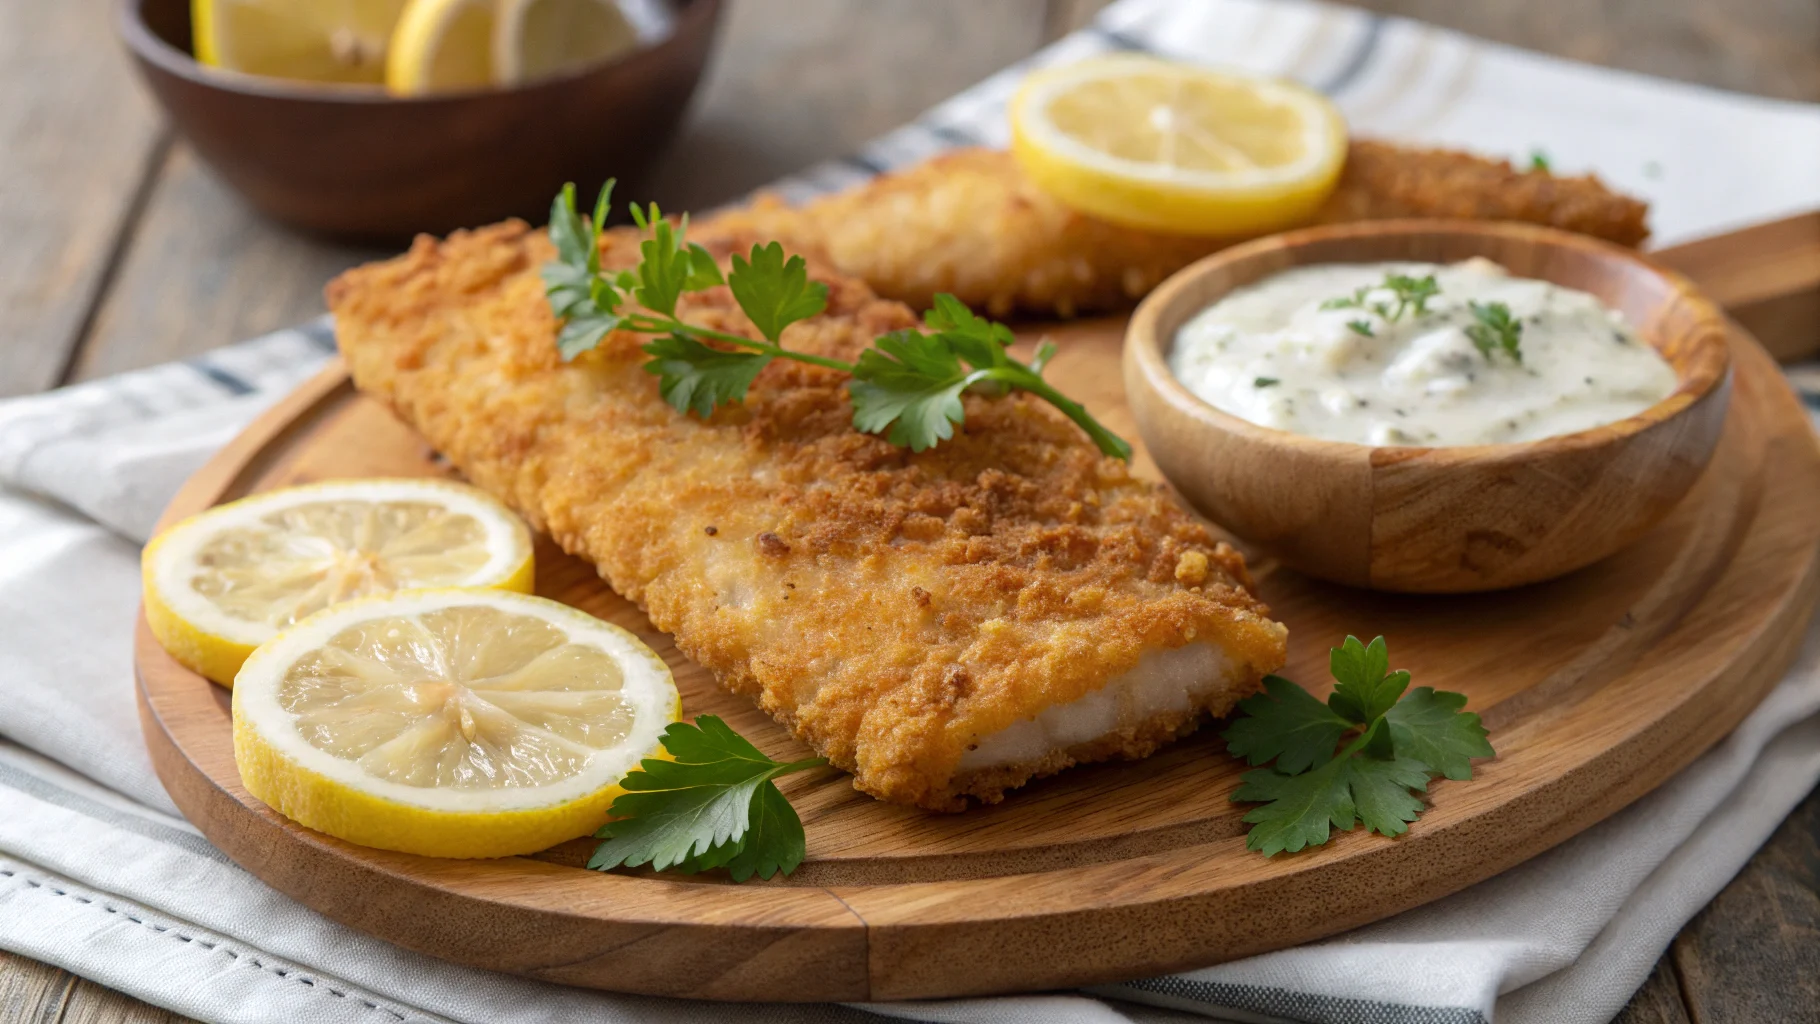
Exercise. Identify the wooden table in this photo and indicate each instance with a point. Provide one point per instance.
(122, 251)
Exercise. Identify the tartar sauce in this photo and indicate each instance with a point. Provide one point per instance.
(1372, 353)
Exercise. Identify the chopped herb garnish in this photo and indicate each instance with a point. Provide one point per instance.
(1408, 294)
(1265, 382)
(1538, 161)
(1361, 327)
(715, 805)
(1496, 331)
(907, 386)
(1394, 743)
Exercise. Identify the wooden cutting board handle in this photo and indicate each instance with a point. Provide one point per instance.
(1767, 277)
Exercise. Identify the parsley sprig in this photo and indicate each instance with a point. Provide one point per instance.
(1407, 295)
(907, 386)
(716, 805)
(1496, 331)
(1394, 743)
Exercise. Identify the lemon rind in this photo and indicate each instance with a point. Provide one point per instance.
(415, 38)
(365, 819)
(214, 645)
(1180, 202)
(255, 708)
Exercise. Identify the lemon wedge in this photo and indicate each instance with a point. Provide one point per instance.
(544, 38)
(449, 723)
(442, 46)
(223, 582)
(1172, 147)
(314, 40)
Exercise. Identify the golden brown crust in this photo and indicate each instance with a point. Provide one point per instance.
(889, 607)
(1384, 181)
(969, 223)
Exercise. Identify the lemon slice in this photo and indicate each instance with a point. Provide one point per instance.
(544, 38)
(223, 582)
(1173, 147)
(449, 723)
(442, 46)
(313, 40)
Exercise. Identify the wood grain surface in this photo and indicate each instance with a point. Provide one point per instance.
(1767, 277)
(72, 196)
(73, 161)
(1622, 673)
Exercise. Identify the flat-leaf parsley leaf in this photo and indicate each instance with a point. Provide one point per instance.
(1394, 741)
(714, 805)
(907, 386)
(1495, 331)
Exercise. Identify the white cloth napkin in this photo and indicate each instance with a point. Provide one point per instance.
(99, 875)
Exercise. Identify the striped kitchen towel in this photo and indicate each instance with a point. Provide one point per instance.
(98, 874)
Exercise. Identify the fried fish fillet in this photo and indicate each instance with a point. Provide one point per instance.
(970, 223)
(944, 625)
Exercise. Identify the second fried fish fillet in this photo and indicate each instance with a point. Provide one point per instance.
(970, 223)
(945, 625)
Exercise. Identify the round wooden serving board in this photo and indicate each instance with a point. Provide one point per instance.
(1596, 688)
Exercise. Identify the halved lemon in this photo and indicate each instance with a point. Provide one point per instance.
(1174, 147)
(313, 40)
(449, 723)
(223, 582)
(442, 45)
(536, 39)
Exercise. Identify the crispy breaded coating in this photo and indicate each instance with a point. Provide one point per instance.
(890, 608)
(968, 222)
(1384, 181)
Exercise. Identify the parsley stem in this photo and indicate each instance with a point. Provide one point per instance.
(649, 324)
(1024, 379)
(798, 766)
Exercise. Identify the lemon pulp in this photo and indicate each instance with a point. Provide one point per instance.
(221, 583)
(301, 559)
(1172, 147)
(449, 723)
(544, 38)
(341, 41)
(442, 45)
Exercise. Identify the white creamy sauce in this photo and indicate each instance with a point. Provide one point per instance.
(1365, 373)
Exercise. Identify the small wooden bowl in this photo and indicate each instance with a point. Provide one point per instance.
(1437, 520)
(356, 162)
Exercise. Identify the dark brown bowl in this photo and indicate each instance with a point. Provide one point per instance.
(357, 163)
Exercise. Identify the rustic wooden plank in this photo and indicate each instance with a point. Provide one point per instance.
(798, 81)
(1659, 1000)
(1064, 16)
(1767, 277)
(75, 138)
(31, 992)
(204, 270)
(1760, 46)
(1753, 955)
(89, 1003)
